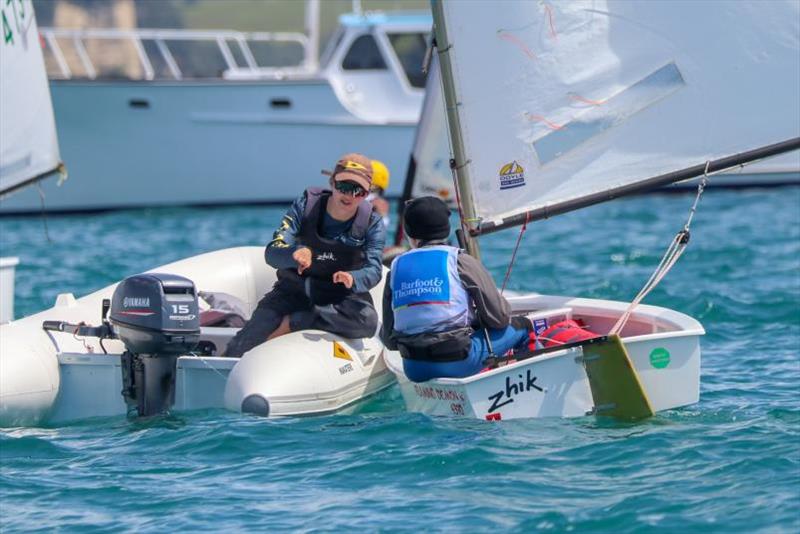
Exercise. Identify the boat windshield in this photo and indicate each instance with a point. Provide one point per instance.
(364, 54)
(410, 49)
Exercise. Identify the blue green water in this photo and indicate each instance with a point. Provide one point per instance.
(730, 463)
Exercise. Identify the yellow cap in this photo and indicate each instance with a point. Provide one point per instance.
(380, 175)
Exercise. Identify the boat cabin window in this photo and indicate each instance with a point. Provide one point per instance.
(364, 55)
(197, 59)
(410, 49)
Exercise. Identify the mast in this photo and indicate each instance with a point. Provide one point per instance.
(454, 125)
(721, 164)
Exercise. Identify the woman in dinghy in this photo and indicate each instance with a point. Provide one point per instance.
(328, 252)
(441, 308)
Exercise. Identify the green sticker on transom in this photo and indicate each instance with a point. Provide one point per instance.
(659, 358)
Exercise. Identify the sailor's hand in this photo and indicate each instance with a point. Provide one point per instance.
(303, 258)
(343, 277)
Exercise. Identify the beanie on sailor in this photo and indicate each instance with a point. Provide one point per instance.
(427, 218)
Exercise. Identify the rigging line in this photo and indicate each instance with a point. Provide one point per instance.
(700, 188)
(43, 212)
(670, 258)
(514, 254)
(454, 177)
(452, 161)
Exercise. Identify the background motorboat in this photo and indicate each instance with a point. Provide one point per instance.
(165, 131)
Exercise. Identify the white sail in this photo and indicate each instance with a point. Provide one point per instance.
(431, 150)
(28, 142)
(562, 100)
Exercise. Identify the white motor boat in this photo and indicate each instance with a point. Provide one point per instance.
(54, 376)
(555, 106)
(163, 132)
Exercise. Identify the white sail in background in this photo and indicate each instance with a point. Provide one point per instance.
(28, 142)
(561, 100)
(431, 150)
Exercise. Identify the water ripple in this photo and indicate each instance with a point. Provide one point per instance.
(731, 463)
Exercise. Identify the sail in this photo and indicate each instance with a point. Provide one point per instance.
(28, 142)
(431, 150)
(559, 101)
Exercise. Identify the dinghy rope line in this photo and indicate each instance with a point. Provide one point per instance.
(516, 247)
(204, 362)
(670, 258)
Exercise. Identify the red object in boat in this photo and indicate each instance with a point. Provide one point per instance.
(563, 332)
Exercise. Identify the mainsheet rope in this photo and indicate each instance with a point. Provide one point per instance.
(514, 254)
(670, 258)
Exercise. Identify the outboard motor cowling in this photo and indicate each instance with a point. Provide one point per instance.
(157, 318)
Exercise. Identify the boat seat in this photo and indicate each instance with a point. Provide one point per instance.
(221, 309)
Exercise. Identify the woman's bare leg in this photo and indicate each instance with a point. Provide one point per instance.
(282, 329)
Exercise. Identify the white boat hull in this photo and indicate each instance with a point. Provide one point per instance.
(54, 377)
(192, 138)
(663, 345)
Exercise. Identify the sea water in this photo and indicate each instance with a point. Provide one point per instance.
(730, 463)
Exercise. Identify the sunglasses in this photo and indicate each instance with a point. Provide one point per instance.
(350, 188)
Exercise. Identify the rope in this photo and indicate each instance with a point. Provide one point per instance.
(204, 362)
(670, 258)
(43, 212)
(514, 254)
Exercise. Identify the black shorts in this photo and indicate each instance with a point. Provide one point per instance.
(352, 317)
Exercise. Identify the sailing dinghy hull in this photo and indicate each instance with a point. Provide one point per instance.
(54, 377)
(663, 346)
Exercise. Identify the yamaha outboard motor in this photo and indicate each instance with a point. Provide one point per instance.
(157, 318)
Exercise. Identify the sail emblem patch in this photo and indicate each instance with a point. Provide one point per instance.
(512, 175)
(340, 352)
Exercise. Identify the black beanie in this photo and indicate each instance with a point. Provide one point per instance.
(427, 218)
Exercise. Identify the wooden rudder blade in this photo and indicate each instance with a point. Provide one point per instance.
(616, 388)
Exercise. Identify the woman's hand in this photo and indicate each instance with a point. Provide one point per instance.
(343, 277)
(303, 258)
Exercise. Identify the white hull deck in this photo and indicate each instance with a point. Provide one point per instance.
(663, 345)
(55, 377)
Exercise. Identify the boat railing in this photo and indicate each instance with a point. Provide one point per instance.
(149, 54)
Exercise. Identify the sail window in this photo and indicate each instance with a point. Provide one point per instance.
(609, 113)
(410, 49)
(364, 55)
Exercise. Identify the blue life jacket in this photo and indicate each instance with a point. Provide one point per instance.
(428, 296)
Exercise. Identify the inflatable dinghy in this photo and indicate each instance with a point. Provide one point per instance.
(98, 356)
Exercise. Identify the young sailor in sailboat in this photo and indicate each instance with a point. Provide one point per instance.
(380, 183)
(327, 251)
(440, 304)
